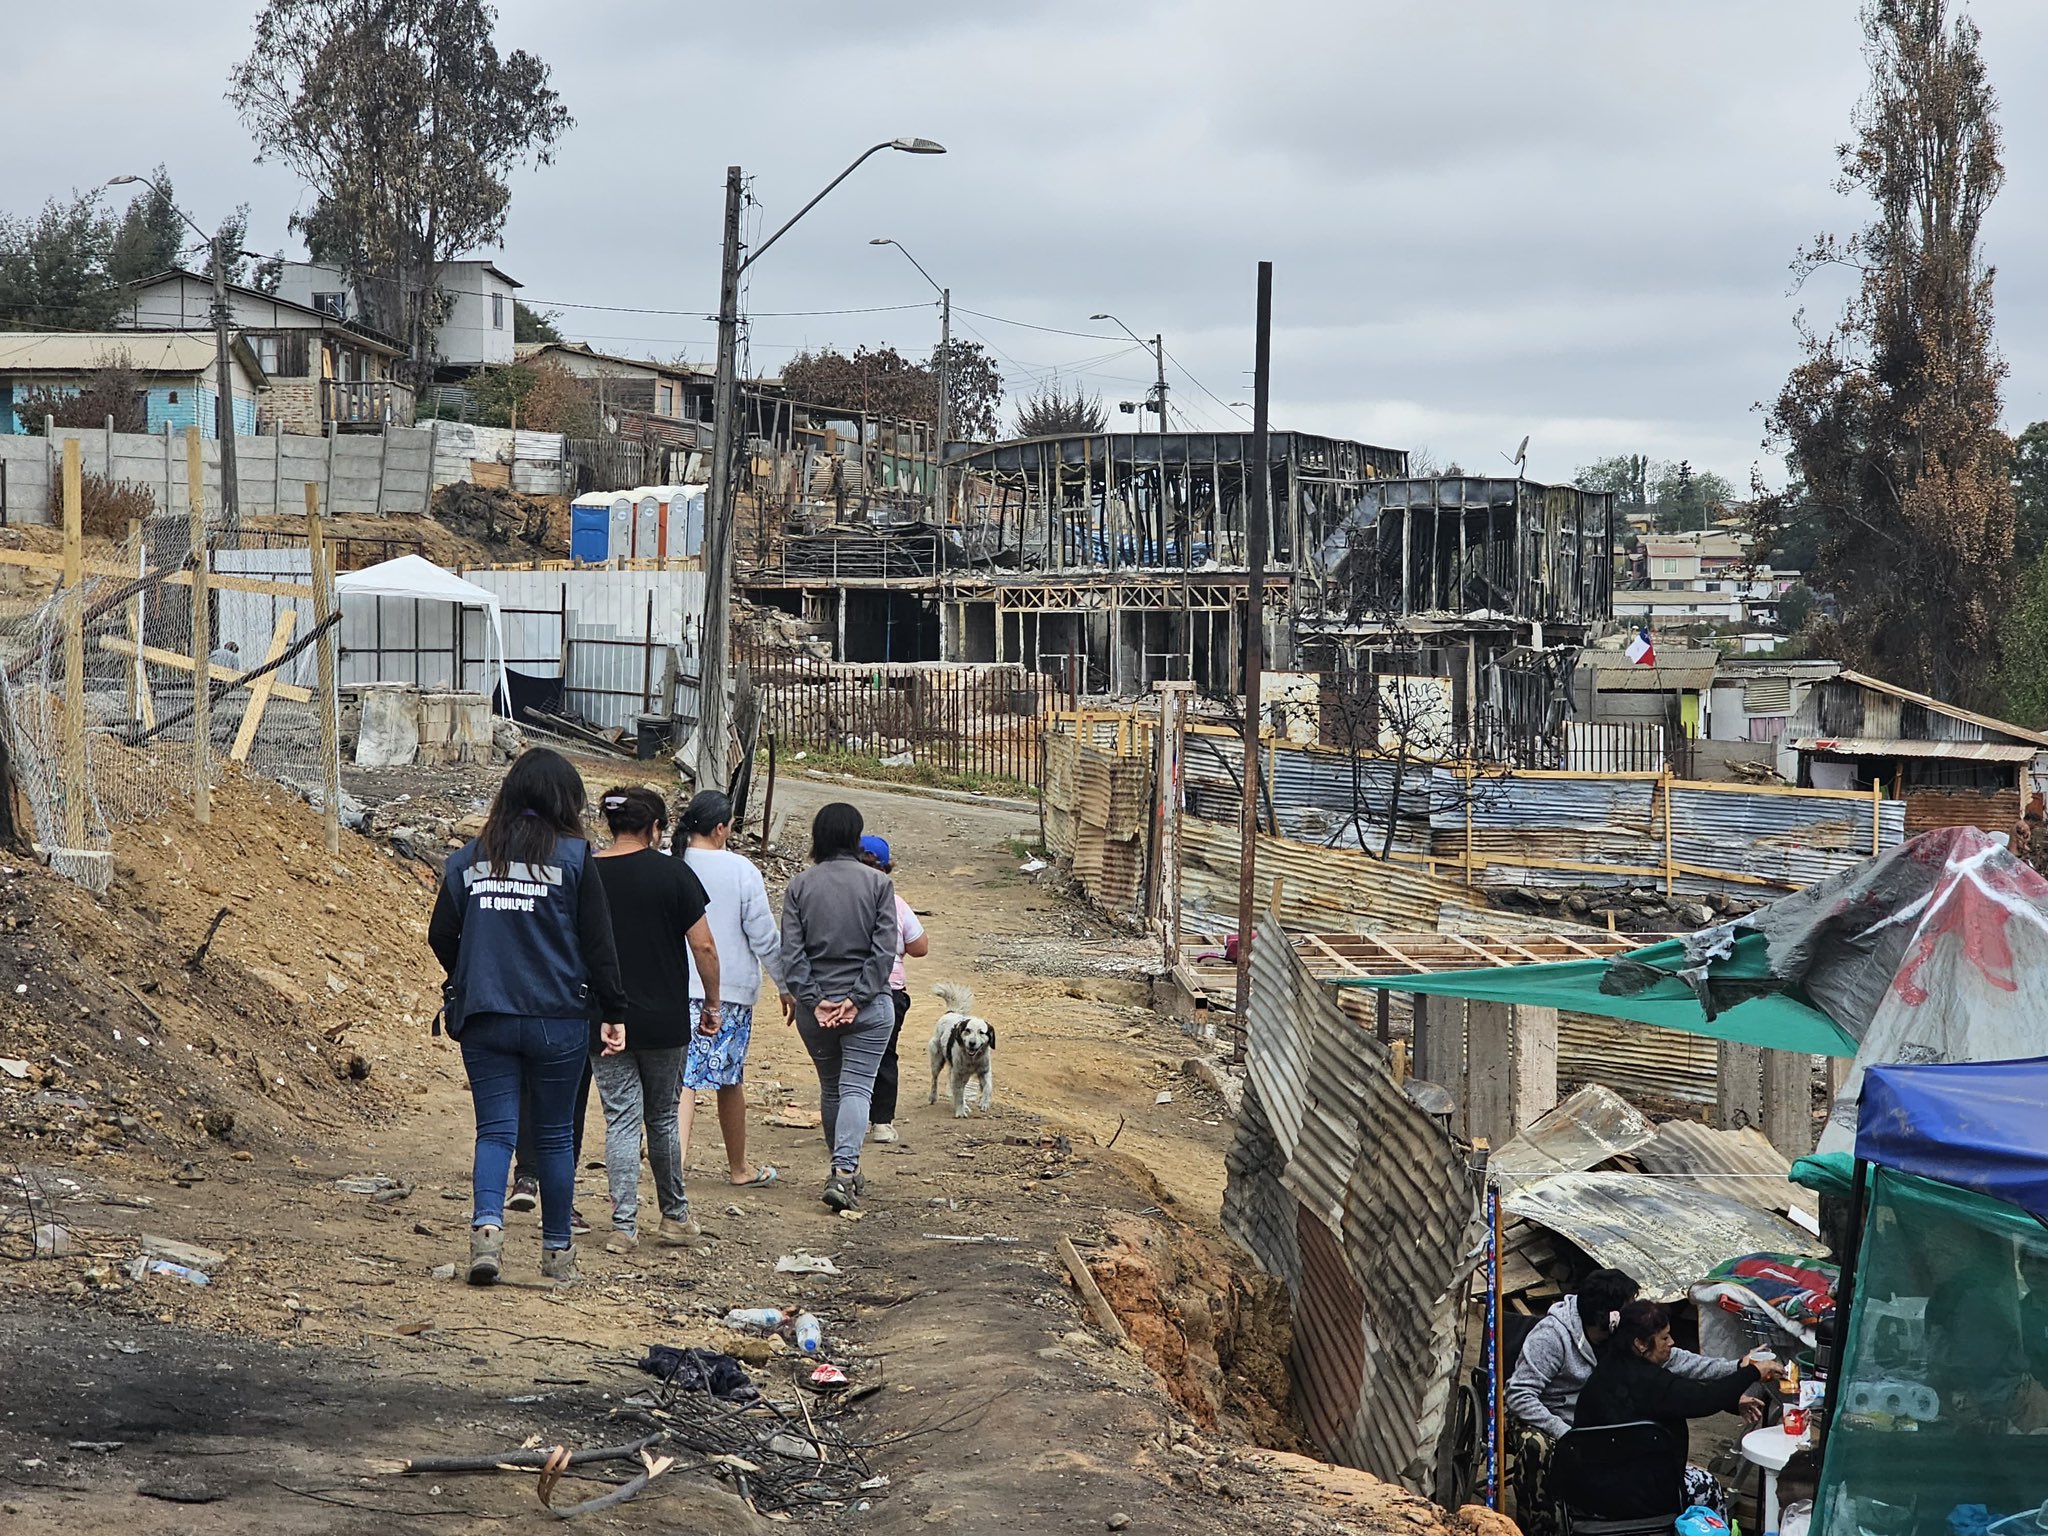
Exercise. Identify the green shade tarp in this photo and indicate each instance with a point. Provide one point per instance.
(1747, 1003)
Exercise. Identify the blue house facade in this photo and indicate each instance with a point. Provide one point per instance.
(179, 370)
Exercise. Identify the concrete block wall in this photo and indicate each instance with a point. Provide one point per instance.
(383, 474)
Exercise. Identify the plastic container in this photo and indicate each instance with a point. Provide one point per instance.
(810, 1333)
(590, 528)
(755, 1319)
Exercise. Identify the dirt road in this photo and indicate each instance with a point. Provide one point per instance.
(324, 1348)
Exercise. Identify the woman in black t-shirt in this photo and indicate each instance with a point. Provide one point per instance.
(657, 907)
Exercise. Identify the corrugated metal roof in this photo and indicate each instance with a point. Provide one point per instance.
(1988, 722)
(1386, 1230)
(1894, 746)
(178, 352)
(1737, 1165)
(1583, 1132)
(1665, 1232)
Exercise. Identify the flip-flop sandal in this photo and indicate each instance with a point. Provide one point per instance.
(763, 1176)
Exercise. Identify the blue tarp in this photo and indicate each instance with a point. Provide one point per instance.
(1977, 1125)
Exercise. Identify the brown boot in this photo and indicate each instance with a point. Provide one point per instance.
(486, 1254)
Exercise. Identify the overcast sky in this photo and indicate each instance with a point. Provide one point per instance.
(1487, 217)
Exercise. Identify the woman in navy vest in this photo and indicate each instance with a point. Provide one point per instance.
(525, 934)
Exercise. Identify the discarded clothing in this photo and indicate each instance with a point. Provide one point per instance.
(701, 1370)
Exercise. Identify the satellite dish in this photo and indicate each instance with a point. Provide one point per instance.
(611, 428)
(1521, 458)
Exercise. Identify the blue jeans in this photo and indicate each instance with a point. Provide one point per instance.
(847, 1059)
(505, 1054)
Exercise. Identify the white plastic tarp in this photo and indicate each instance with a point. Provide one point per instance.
(416, 577)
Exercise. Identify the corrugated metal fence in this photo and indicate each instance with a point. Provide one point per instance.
(1536, 828)
(1364, 1207)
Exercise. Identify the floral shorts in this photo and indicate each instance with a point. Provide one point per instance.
(720, 1060)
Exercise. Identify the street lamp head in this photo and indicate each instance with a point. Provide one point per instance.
(918, 146)
(123, 181)
(1102, 317)
(881, 242)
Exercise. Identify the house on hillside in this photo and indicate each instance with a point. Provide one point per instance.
(1952, 767)
(1754, 700)
(668, 402)
(475, 333)
(323, 370)
(181, 382)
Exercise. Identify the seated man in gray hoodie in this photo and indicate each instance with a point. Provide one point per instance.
(1562, 1349)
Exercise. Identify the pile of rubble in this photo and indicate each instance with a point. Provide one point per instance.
(1623, 909)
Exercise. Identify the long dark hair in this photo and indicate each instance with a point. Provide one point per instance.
(632, 810)
(835, 832)
(540, 802)
(707, 811)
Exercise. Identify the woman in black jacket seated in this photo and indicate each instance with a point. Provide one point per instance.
(1631, 1384)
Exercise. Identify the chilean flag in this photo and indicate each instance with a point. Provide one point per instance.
(1642, 651)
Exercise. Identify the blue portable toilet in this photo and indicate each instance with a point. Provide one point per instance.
(590, 528)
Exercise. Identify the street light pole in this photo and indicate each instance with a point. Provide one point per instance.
(942, 498)
(224, 399)
(712, 770)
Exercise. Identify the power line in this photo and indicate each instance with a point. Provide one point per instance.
(1205, 389)
(698, 314)
(961, 309)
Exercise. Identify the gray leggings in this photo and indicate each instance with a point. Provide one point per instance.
(640, 1088)
(847, 1060)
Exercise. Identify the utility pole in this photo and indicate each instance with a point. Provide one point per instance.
(224, 421)
(1159, 357)
(716, 652)
(1254, 651)
(945, 500)
(712, 768)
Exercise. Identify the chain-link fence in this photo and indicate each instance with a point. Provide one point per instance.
(99, 692)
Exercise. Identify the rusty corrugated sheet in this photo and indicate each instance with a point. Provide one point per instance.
(1386, 1230)
(1666, 1233)
(1583, 1132)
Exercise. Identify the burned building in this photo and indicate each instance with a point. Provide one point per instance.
(1121, 560)
(1118, 560)
(1463, 599)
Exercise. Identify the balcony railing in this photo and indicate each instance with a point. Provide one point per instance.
(365, 403)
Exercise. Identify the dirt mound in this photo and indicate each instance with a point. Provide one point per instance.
(1369, 1504)
(308, 1008)
(508, 524)
(1217, 1334)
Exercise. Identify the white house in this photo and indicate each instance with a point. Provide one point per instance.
(477, 332)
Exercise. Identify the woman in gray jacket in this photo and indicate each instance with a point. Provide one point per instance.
(838, 945)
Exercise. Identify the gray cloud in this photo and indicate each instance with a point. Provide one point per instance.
(1488, 218)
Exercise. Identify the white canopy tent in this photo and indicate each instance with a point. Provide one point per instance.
(418, 578)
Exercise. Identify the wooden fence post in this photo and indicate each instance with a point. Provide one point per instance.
(202, 633)
(326, 700)
(74, 652)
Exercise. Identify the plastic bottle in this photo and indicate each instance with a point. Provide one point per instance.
(755, 1319)
(179, 1272)
(810, 1333)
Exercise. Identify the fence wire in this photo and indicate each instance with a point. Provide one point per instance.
(137, 762)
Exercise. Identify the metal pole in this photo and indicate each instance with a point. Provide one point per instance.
(224, 404)
(719, 506)
(1254, 649)
(945, 502)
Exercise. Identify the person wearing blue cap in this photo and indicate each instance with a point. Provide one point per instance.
(911, 941)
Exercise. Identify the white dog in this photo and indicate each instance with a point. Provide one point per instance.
(966, 1044)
